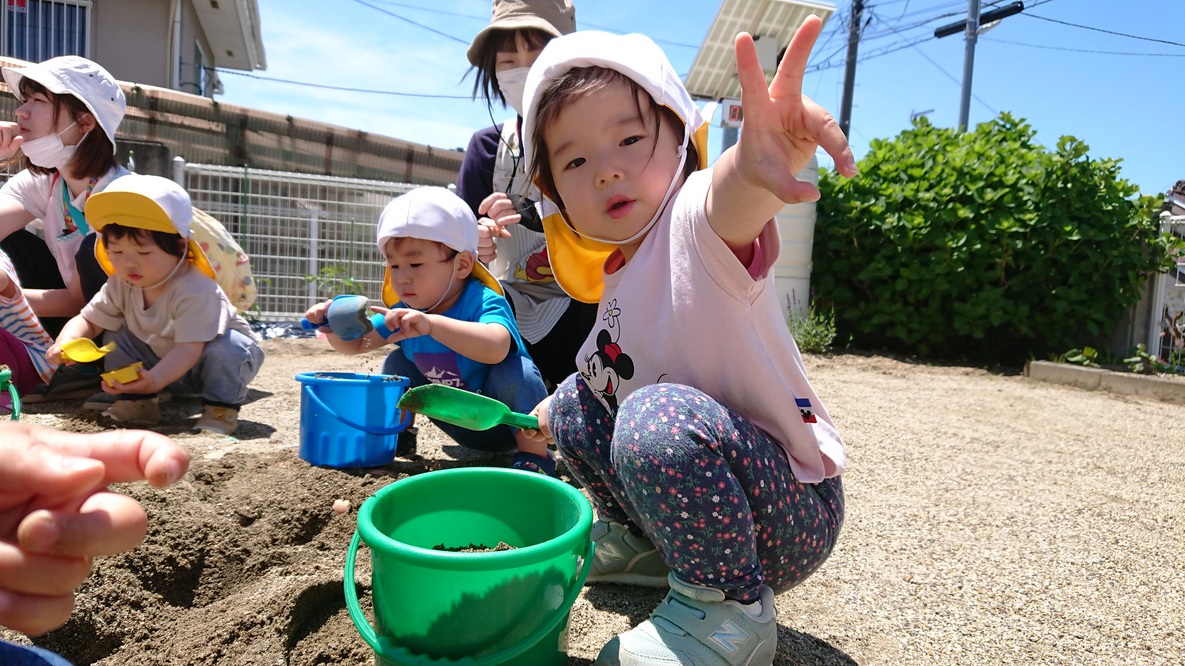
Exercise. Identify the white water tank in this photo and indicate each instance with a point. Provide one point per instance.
(792, 272)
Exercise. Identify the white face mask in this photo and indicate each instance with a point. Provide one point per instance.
(49, 152)
(512, 83)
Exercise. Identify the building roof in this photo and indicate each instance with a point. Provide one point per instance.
(233, 30)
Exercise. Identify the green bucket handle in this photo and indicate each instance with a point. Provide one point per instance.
(400, 427)
(388, 650)
(7, 383)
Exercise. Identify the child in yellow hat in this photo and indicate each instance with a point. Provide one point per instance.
(165, 310)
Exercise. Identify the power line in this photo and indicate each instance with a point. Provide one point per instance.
(418, 25)
(340, 88)
(1109, 32)
(1065, 48)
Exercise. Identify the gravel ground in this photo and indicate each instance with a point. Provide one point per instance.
(991, 519)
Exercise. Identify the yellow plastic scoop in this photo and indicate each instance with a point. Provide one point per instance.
(84, 350)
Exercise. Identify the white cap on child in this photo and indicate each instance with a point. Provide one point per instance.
(432, 214)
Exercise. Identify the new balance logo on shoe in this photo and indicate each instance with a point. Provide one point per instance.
(607, 552)
(730, 637)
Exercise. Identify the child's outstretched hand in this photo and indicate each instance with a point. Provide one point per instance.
(407, 323)
(782, 127)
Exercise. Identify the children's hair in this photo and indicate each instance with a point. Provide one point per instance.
(577, 83)
(448, 251)
(172, 244)
(486, 80)
(94, 155)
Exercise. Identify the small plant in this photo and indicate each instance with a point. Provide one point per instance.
(1087, 356)
(253, 313)
(334, 280)
(1143, 363)
(814, 331)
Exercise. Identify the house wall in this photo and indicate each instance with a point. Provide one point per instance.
(130, 38)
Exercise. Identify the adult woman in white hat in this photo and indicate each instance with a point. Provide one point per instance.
(64, 138)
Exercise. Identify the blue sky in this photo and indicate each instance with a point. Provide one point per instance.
(1057, 65)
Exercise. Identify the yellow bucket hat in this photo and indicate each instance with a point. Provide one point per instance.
(145, 202)
(577, 262)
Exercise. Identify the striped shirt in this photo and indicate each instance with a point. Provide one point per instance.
(16, 317)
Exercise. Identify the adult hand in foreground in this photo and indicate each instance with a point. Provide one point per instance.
(56, 512)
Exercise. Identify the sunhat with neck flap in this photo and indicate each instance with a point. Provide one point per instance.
(145, 202)
(433, 214)
(578, 262)
(81, 78)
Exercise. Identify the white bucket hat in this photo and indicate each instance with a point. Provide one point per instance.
(578, 262)
(82, 78)
(433, 214)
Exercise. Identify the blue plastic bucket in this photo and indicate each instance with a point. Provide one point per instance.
(349, 419)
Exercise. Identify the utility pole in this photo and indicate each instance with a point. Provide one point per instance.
(972, 35)
(849, 75)
(971, 30)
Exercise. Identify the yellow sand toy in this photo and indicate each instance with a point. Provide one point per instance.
(128, 373)
(83, 350)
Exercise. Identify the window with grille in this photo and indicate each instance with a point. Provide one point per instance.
(37, 30)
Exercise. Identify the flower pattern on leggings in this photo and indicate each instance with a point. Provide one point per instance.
(712, 490)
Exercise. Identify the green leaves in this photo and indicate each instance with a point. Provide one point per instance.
(983, 244)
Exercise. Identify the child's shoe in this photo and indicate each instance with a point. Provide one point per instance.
(696, 626)
(101, 401)
(218, 419)
(533, 462)
(623, 557)
(142, 412)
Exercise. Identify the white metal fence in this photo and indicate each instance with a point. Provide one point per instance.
(296, 225)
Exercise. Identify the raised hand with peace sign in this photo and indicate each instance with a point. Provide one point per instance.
(781, 130)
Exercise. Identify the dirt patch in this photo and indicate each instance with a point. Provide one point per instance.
(990, 519)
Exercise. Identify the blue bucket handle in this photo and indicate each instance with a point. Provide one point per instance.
(384, 647)
(404, 421)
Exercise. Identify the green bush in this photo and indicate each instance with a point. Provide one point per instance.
(982, 245)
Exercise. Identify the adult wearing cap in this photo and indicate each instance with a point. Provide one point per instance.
(493, 181)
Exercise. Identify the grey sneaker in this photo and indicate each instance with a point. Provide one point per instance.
(622, 557)
(697, 626)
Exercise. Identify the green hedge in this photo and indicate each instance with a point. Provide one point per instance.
(982, 245)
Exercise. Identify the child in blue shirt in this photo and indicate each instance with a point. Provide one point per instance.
(450, 319)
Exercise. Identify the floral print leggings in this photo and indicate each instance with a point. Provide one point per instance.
(712, 491)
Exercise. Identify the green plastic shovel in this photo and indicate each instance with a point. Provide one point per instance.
(462, 408)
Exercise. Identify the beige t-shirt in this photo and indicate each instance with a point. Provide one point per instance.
(192, 308)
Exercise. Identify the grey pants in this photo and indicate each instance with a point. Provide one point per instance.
(228, 363)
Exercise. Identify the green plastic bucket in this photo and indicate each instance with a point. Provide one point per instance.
(436, 606)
